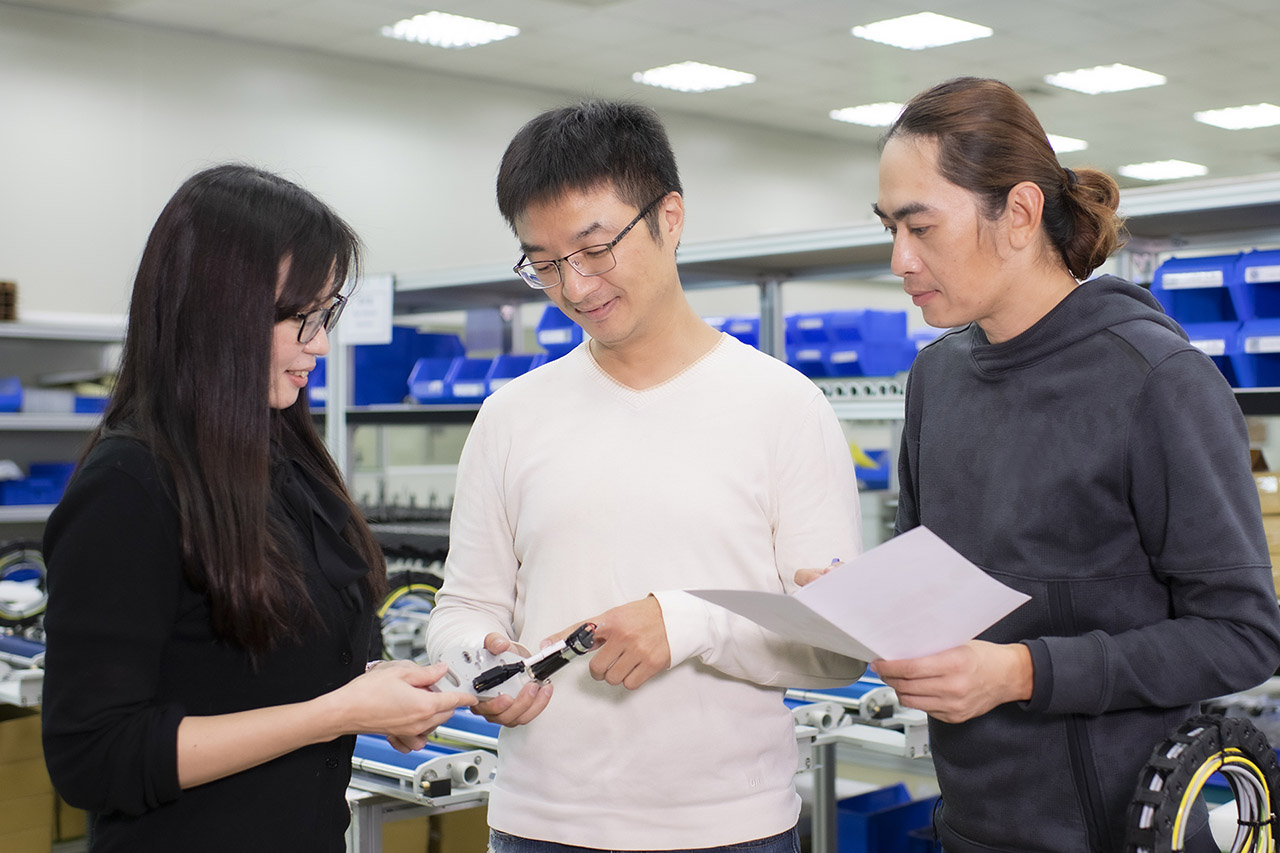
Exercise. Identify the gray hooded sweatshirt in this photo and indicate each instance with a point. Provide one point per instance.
(1099, 463)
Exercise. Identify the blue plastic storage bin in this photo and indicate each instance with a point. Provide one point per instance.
(809, 358)
(1218, 341)
(556, 333)
(876, 477)
(317, 390)
(879, 821)
(381, 371)
(31, 490)
(427, 380)
(466, 380)
(10, 394)
(90, 405)
(860, 324)
(1198, 290)
(1255, 285)
(744, 328)
(870, 358)
(1256, 356)
(507, 367)
(57, 472)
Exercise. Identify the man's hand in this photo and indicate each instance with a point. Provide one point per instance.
(630, 643)
(806, 576)
(961, 683)
(512, 710)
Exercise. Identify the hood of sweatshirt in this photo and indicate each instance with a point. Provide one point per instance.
(1094, 305)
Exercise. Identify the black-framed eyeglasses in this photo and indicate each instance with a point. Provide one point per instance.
(593, 260)
(320, 318)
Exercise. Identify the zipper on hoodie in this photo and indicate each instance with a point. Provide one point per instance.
(1083, 770)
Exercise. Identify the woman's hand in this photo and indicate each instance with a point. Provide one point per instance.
(392, 699)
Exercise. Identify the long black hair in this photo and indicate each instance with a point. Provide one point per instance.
(193, 385)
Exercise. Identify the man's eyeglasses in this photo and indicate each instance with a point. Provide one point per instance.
(320, 318)
(593, 260)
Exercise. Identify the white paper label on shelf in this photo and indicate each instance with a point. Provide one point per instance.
(808, 354)
(809, 323)
(1262, 344)
(844, 356)
(495, 384)
(468, 389)
(1195, 278)
(1211, 347)
(367, 317)
(555, 336)
(435, 388)
(1261, 275)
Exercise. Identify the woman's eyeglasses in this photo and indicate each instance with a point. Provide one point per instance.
(320, 318)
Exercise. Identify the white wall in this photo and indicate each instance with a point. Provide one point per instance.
(100, 122)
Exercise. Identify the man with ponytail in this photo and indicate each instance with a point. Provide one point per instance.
(1066, 437)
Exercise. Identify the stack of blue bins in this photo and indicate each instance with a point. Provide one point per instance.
(382, 371)
(1255, 288)
(856, 342)
(1201, 294)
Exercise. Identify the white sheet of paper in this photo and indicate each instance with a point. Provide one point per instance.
(911, 596)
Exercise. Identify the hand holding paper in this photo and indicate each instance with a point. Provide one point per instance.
(911, 596)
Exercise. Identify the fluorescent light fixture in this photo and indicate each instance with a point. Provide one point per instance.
(1063, 144)
(693, 77)
(1241, 118)
(920, 31)
(1102, 79)
(1163, 170)
(444, 30)
(872, 115)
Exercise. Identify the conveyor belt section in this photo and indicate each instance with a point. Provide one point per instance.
(435, 776)
(864, 714)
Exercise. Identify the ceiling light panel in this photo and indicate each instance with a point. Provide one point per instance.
(693, 77)
(921, 31)
(444, 30)
(1103, 79)
(1241, 118)
(1066, 144)
(871, 115)
(1163, 170)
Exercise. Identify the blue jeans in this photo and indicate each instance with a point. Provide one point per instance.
(783, 842)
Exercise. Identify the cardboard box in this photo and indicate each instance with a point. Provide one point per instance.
(19, 734)
(18, 814)
(463, 831)
(406, 836)
(26, 794)
(38, 840)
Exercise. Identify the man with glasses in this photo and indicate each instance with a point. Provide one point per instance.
(658, 456)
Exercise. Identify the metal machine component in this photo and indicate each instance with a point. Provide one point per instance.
(486, 675)
(435, 775)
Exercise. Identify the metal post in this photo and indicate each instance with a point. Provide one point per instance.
(773, 337)
(338, 369)
(823, 831)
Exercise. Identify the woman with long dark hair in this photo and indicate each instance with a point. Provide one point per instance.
(211, 583)
(1066, 437)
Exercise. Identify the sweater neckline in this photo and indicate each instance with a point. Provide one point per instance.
(638, 395)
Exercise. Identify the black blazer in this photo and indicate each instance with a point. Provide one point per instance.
(131, 651)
